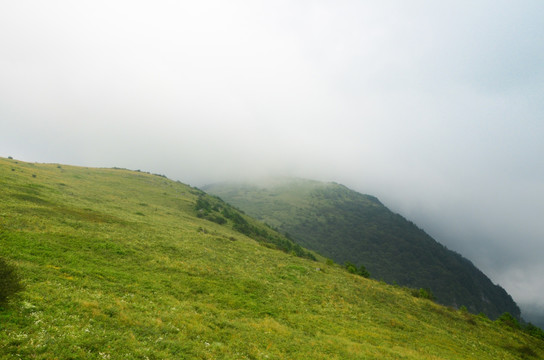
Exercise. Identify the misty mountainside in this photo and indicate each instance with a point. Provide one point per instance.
(345, 225)
(120, 264)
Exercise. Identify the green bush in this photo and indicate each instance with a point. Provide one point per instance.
(534, 331)
(363, 271)
(426, 294)
(202, 204)
(10, 283)
(508, 320)
(351, 268)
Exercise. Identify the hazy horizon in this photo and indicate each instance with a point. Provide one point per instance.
(435, 108)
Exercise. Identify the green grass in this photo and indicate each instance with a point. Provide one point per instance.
(117, 265)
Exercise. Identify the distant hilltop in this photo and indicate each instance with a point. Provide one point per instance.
(345, 225)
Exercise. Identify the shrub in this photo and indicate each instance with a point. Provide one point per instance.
(202, 204)
(425, 294)
(508, 320)
(217, 219)
(10, 283)
(363, 272)
(534, 331)
(351, 268)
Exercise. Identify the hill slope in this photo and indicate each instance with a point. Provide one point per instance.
(348, 226)
(119, 265)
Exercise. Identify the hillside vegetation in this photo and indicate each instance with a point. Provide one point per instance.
(117, 264)
(348, 226)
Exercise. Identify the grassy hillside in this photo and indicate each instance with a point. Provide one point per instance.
(348, 226)
(118, 265)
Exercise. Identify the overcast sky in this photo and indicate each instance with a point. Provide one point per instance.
(436, 107)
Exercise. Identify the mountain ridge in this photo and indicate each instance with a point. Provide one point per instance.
(345, 225)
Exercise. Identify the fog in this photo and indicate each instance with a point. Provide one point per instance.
(437, 108)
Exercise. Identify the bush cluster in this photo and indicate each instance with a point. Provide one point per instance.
(352, 268)
(508, 320)
(214, 209)
(425, 294)
(534, 331)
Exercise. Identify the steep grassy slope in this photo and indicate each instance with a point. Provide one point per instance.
(347, 226)
(117, 265)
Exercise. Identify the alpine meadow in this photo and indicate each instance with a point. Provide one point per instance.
(121, 264)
